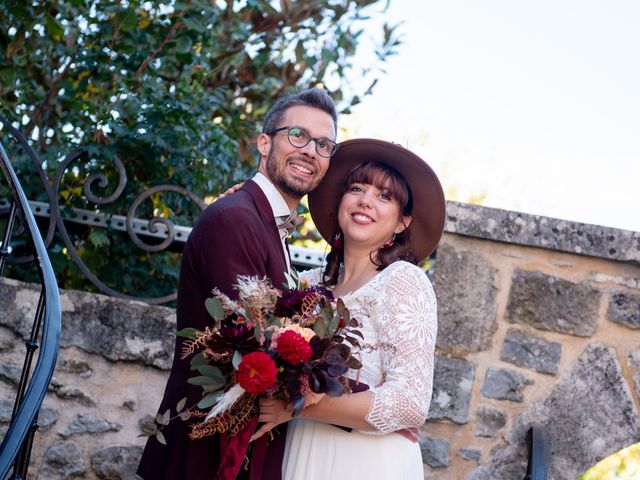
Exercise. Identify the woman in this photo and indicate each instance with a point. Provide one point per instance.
(382, 209)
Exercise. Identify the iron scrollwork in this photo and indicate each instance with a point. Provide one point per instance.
(157, 226)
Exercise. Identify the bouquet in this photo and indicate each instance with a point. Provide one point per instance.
(283, 344)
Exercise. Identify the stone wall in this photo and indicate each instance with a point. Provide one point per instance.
(538, 325)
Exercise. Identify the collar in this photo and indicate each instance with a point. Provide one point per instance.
(274, 197)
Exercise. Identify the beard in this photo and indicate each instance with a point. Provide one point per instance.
(291, 187)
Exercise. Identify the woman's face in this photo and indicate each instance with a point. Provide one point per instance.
(369, 216)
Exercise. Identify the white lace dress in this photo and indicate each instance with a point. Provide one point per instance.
(397, 310)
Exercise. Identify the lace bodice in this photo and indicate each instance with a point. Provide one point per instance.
(397, 310)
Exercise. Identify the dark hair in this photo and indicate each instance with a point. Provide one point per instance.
(380, 175)
(313, 97)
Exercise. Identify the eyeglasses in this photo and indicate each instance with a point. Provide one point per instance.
(300, 138)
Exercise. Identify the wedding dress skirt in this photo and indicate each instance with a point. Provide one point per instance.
(318, 451)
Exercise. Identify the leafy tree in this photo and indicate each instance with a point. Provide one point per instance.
(175, 90)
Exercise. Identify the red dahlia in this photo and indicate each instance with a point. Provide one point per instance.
(294, 348)
(257, 372)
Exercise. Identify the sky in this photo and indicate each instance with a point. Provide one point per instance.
(531, 106)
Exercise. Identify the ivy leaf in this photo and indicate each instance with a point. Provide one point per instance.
(183, 44)
(193, 23)
(99, 238)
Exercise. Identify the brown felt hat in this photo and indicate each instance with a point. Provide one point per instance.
(428, 198)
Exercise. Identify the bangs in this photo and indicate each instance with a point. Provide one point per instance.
(384, 178)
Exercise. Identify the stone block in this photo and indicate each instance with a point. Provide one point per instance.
(453, 380)
(70, 393)
(116, 463)
(588, 415)
(89, 423)
(63, 460)
(435, 452)
(466, 288)
(624, 308)
(6, 408)
(470, 454)
(503, 384)
(634, 363)
(528, 351)
(551, 303)
(113, 328)
(489, 421)
(47, 417)
(10, 374)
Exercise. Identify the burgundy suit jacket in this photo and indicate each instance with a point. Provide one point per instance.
(236, 235)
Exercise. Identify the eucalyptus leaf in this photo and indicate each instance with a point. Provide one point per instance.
(166, 417)
(214, 307)
(188, 332)
(257, 331)
(237, 358)
(198, 360)
(205, 381)
(181, 404)
(160, 438)
(209, 400)
(211, 372)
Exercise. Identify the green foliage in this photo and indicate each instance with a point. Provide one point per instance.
(176, 90)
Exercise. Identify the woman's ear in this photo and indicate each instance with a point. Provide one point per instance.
(403, 224)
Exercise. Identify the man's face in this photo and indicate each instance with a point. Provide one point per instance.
(295, 171)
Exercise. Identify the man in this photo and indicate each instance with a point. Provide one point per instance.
(239, 235)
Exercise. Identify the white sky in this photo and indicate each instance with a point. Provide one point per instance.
(534, 104)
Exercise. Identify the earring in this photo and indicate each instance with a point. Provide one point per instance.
(389, 244)
(336, 240)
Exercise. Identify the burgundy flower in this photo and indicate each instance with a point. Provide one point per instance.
(290, 302)
(231, 337)
(293, 348)
(257, 372)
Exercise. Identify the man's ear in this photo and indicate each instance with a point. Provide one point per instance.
(264, 144)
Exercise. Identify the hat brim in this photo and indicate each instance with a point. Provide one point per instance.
(428, 197)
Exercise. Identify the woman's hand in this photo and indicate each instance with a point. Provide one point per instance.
(231, 190)
(273, 412)
(410, 434)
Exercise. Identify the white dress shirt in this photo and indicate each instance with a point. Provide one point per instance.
(278, 206)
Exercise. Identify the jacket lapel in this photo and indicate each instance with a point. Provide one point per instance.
(269, 222)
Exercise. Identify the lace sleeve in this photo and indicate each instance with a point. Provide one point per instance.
(408, 326)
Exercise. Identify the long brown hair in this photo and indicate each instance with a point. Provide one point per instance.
(381, 176)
